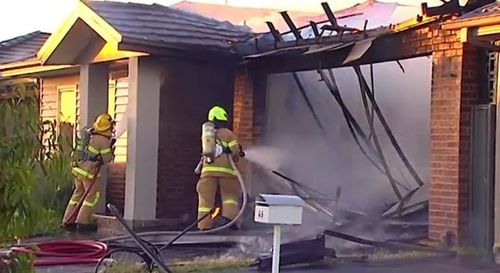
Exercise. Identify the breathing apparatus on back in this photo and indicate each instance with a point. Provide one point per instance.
(103, 125)
(82, 141)
(210, 148)
(208, 141)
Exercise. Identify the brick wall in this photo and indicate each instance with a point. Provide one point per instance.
(249, 105)
(454, 90)
(249, 111)
(243, 106)
(115, 191)
(187, 93)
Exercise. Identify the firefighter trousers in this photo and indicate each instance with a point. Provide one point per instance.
(230, 192)
(84, 214)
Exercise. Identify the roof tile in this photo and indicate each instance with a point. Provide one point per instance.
(161, 26)
(22, 47)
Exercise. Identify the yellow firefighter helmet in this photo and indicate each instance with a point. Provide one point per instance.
(217, 113)
(103, 122)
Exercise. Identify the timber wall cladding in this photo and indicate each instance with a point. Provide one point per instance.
(118, 98)
(49, 97)
(115, 193)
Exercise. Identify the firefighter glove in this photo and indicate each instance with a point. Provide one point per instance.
(242, 153)
(226, 150)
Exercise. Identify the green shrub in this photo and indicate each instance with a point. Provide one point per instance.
(35, 178)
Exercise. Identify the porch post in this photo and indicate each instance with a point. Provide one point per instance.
(93, 92)
(93, 101)
(142, 139)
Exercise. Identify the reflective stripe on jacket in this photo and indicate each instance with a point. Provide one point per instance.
(99, 146)
(221, 167)
(77, 171)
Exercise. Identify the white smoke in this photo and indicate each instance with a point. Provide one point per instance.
(293, 144)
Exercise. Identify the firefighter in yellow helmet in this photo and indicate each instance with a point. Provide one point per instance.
(94, 149)
(218, 173)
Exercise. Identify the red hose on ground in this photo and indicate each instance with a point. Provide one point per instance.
(53, 253)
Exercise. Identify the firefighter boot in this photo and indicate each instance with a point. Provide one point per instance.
(70, 227)
(224, 221)
(86, 228)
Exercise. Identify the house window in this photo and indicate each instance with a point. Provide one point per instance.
(67, 105)
(67, 117)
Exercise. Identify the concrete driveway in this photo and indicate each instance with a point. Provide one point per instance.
(432, 266)
(444, 266)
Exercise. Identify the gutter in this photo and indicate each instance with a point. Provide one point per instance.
(31, 70)
(472, 22)
(19, 64)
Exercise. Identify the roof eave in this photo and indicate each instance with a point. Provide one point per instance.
(19, 64)
(152, 48)
(91, 18)
(30, 70)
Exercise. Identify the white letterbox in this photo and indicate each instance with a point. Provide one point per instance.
(279, 209)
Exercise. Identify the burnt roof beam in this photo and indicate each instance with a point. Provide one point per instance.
(291, 25)
(314, 28)
(448, 7)
(333, 21)
(276, 34)
(384, 49)
(329, 14)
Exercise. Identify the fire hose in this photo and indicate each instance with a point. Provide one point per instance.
(64, 252)
(200, 232)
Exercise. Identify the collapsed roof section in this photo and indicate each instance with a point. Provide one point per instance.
(342, 39)
(343, 44)
(377, 13)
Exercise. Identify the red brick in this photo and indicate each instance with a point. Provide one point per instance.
(444, 47)
(441, 186)
(453, 91)
(437, 213)
(444, 193)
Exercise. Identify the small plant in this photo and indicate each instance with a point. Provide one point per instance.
(386, 255)
(200, 264)
(35, 178)
(211, 264)
(128, 267)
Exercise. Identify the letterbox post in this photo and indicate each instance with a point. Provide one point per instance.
(276, 248)
(278, 210)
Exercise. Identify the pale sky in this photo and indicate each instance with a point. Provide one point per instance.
(18, 17)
